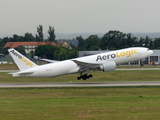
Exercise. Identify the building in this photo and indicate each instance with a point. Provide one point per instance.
(65, 44)
(28, 46)
(154, 59)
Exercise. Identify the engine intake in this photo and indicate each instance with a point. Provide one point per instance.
(108, 66)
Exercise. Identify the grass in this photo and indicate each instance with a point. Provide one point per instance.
(114, 76)
(109, 103)
(133, 75)
(14, 66)
(8, 67)
(92, 103)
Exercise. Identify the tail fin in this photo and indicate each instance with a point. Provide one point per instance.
(22, 62)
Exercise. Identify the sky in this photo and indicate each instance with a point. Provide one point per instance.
(79, 16)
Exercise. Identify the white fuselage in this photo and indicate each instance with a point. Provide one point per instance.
(69, 66)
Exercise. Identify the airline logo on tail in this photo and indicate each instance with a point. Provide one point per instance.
(118, 54)
(21, 58)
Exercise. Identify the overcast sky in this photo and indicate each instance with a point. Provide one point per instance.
(75, 16)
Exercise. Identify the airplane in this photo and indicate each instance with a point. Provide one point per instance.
(106, 62)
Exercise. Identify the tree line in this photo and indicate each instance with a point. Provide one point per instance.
(29, 37)
(112, 40)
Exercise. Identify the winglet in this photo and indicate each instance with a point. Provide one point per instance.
(22, 62)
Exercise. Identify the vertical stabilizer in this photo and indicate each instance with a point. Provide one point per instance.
(22, 62)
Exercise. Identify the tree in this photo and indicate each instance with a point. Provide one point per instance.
(39, 36)
(52, 36)
(151, 45)
(15, 38)
(4, 50)
(157, 43)
(80, 42)
(92, 40)
(28, 37)
(39, 51)
(47, 51)
(141, 42)
(94, 47)
(62, 55)
(130, 41)
(4, 41)
(21, 50)
(147, 41)
(112, 40)
(72, 54)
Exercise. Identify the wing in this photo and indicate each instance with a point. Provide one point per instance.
(84, 66)
(50, 61)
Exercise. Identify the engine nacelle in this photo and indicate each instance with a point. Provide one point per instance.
(108, 66)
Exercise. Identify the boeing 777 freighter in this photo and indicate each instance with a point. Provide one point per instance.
(104, 62)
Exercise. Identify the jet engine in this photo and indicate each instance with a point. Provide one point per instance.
(108, 66)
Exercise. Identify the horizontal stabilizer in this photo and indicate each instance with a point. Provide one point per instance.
(21, 73)
(31, 72)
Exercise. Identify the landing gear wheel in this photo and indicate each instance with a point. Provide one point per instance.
(85, 76)
(78, 78)
(90, 75)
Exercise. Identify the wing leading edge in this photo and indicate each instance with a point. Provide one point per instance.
(84, 66)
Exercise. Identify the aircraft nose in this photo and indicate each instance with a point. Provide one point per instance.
(150, 52)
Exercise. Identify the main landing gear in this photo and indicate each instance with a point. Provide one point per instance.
(142, 63)
(84, 76)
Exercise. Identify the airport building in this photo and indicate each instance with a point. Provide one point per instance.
(154, 59)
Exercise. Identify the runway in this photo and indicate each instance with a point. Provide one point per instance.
(84, 84)
(138, 68)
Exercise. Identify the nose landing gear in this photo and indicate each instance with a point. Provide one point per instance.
(84, 76)
(142, 63)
